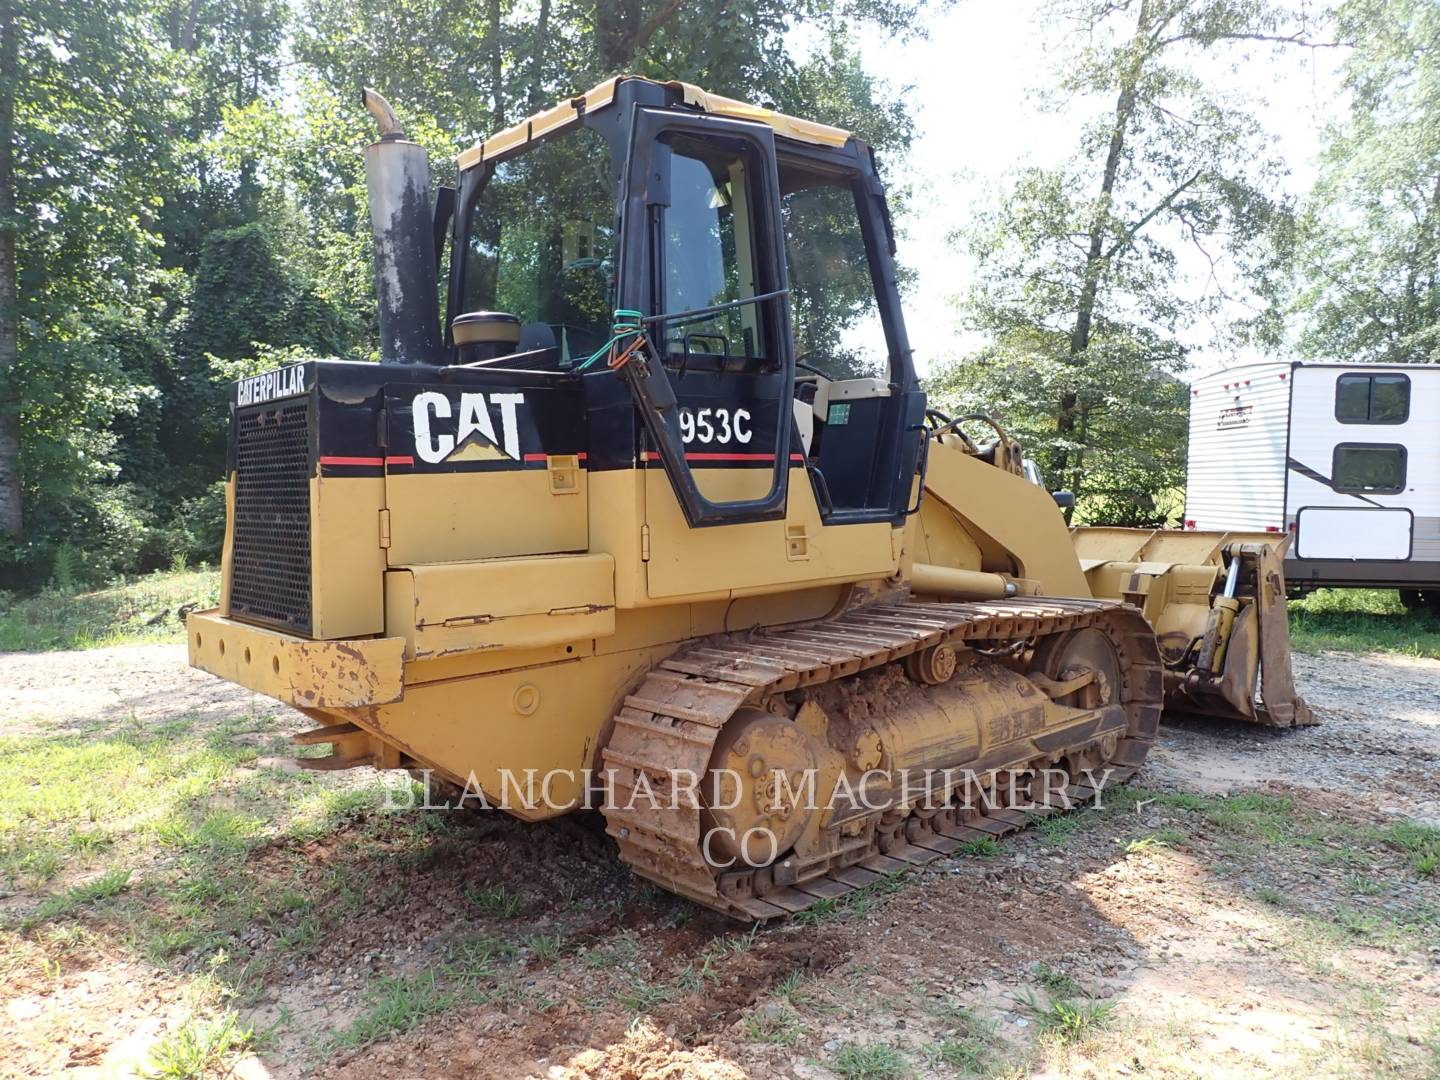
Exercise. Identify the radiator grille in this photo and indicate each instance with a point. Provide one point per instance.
(270, 561)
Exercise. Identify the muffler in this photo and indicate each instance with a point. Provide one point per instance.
(397, 174)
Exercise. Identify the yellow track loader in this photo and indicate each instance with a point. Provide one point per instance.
(657, 520)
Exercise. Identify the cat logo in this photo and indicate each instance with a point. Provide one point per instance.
(474, 437)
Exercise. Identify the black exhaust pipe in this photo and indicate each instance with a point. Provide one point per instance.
(397, 174)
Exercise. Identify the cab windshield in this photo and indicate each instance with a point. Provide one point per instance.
(539, 244)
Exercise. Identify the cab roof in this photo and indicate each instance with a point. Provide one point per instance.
(570, 111)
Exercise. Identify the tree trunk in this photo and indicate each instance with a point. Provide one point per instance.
(497, 68)
(537, 61)
(1095, 256)
(11, 507)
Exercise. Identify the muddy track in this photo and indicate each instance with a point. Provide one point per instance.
(673, 719)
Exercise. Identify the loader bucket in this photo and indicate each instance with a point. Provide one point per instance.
(1217, 603)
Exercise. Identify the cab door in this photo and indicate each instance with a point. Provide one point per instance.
(733, 508)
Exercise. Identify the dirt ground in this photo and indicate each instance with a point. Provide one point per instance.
(1258, 905)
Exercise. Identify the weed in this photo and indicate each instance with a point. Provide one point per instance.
(645, 996)
(398, 1004)
(90, 842)
(200, 1048)
(1166, 838)
(545, 946)
(982, 847)
(1420, 842)
(1273, 897)
(773, 1024)
(1067, 1020)
(872, 1061)
(473, 957)
(36, 865)
(794, 988)
(860, 902)
(617, 951)
(965, 1053)
(109, 884)
(498, 901)
(1058, 828)
(1056, 983)
(1364, 886)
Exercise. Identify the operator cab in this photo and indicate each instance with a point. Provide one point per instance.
(755, 254)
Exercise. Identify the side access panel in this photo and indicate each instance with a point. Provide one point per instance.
(483, 471)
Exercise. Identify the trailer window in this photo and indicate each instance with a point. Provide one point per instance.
(1375, 468)
(1372, 399)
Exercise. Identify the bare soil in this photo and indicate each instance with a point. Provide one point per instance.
(1248, 915)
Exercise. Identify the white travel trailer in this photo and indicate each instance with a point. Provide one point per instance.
(1346, 457)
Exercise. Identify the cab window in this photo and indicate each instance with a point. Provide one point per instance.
(833, 310)
(539, 241)
(710, 251)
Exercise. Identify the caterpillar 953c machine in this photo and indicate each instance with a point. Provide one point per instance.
(661, 497)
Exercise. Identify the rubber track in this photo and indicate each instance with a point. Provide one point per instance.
(673, 717)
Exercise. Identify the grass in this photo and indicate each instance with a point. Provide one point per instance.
(774, 1024)
(143, 609)
(68, 797)
(499, 901)
(1057, 828)
(1069, 1021)
(1162, 839)
(969, 1043)
(982, 847)
(199, 1049)
(869, 1061)
(1057, 983)
(644, 996)
(398, 1004)
(859, 903)
(964, 1053)
(1362, 620)
(109, 884)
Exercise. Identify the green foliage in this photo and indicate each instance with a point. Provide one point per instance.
(182, 215)
(145, 609)
(200, 1048)
(1362, 620)
(1370, 251)
(1128, 449)
(111, 883)
(1069, 1021)
(870, 1061)
(1080, 282)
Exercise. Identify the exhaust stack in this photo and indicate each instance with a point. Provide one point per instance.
(397, 174)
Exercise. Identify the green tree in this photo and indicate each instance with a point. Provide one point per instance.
(83, 158)
(1078, 265)
(173, 211)
(1370, 256)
